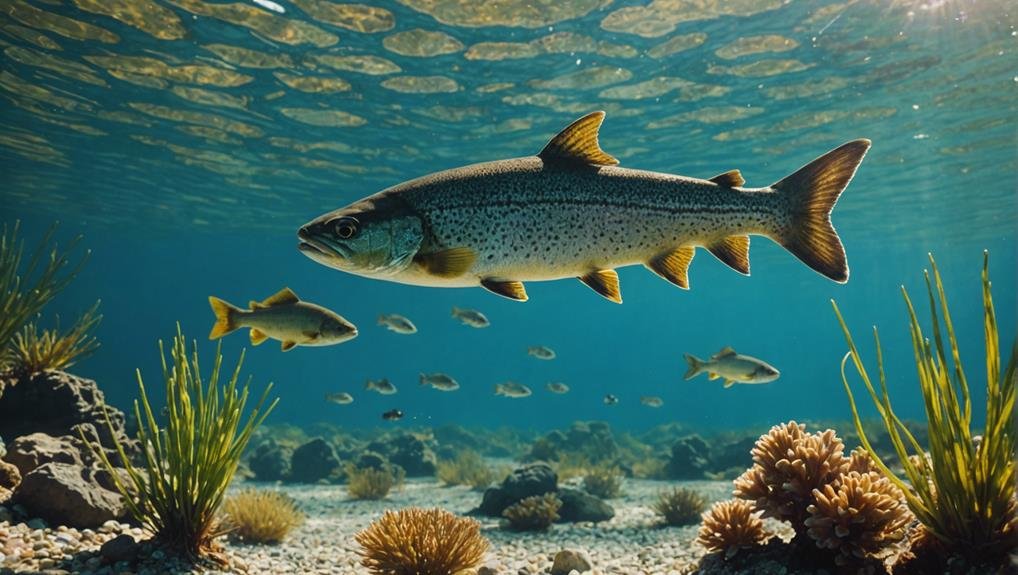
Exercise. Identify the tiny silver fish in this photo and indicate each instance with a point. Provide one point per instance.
(340, 398)
(383, 386)
(397, 323)
(439, 381)
(732, 367)
(610, 399)
(470, 317)
(541, 352)
(557, 387)
(512, 389)
(652, 401)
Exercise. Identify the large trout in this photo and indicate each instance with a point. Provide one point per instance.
(571, 212)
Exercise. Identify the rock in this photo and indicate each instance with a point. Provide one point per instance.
(31, 451)
(735, 454)
(65, 494)
(371, 460)
(581, 506)
(457, 437)
(690, 458)
(10, 477)
(490, 568)
(270, 461)
(121, 548)
(313, 462)
(531, 479)
(568, 560)
(3, 447)
(408, 451)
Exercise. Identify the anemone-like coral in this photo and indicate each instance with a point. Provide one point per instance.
(261, 516)
(861, 516)
(416, 541)
(535, 513)
(730, 526)
(604, 482)
(679, 506)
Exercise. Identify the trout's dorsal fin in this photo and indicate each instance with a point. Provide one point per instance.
(731, 178)
(578, 144)
(725, 352)
(733, 251)
(284, 296)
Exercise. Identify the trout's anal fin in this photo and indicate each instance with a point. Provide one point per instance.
(258, 336)
(509, 289)
(282, 297)
(731, 179)
(729, 383)
(674, 265)
(449, 263)
(288, 345)
(604, 282)
(733, 251)
(577, 144)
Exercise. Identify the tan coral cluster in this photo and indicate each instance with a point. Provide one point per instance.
(730, 526)
(416, 541)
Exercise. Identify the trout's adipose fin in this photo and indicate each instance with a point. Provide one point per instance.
(578, 144)
(604, 282)
(674, 265)
(731, 178)
(811, 193)
(509, 289)
(733, 251)
(226, 318)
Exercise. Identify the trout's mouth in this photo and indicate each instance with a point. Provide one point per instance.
(320, 250)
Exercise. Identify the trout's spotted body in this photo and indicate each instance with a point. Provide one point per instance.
(570, 212)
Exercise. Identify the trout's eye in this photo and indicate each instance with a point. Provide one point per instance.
(345, 228)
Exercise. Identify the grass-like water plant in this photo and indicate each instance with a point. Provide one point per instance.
(534, 513)
(415, 541)
(679, 506)
(189, 462)
(372, 483)
(603, 481)
(34, 350)
(261, 515)
(963, 491)
(468, 468)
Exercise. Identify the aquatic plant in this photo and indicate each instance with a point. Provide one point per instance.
(963, 491)
(860, 516)
(415, 541)
(572, 464)
(372, 483)
(535, 513)
(33, 350)
(603, 481)
(468, 468)
(27, 285)
(731, 526)
(190, 462)
(261, 515)
(679, 506)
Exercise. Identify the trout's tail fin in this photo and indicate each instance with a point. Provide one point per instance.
(695, 366)
(811, 193)
(226, 318)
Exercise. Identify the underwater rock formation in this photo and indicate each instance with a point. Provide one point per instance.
(412, 453)
(581, 506)
(270, 461)
(66, 494)
(10, 478)
(592, 440)
(527, 481)
(690, 458)
(313, 461)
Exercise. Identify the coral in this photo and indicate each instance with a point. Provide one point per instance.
(962, 493)
(468, 468)
(789, 465)
(604, 482)
(535, 513)
(33, 351)
(730, 526)
(261, 516)
(191, 459)
(372, 483)
(679, 506)
(416, 541)
(861, 516)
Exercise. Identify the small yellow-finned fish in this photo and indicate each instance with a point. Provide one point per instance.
(470, 317)
(557, 387)
(541, 352)
(439, 381)
(340, 398)
(397, 323)
(383, 386)
(732, 367)
(282, 317)
(512, 389)
(571, 212)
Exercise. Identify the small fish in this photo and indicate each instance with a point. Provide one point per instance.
(470, 317)
(439, 381)
(732, 367)
(652, 401)
(397, 323)
(512, 389)
(283, 317)
(610, 399)
(556, 387)
(393, 415)
(541, 352)
(383, 386)
(270, 5)
(341, 398)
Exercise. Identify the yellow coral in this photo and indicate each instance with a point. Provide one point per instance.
(261, 516)
(860, 516)
(730, 526)
(416, 541)
(534, 513)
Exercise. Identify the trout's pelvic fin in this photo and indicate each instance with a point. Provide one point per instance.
(508, 289)
(258, 336)
(450, 263)
(674, 265)
(733, 251)
(731, 178)
(577, 144)
(282, 297)
(604, 282)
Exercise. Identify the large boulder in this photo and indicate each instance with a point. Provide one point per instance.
(412, 453)
(64, 494)
(531, 479)
(591, 439)
(270, 461)
(313, 462)
(734, 455)
(581, 506)
(10, 478)
(690, 458)
(31, 451)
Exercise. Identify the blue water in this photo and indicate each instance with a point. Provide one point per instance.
(172, 217)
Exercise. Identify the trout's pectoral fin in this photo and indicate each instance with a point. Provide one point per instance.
(510, 289)
(731, 178)
(577, 144)
(674, 265)
(288, 345)
(282, 297)
(604, 282)
(258, 336)
(729, 383)
(311, 335)
(733, 251)
(450, 263)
